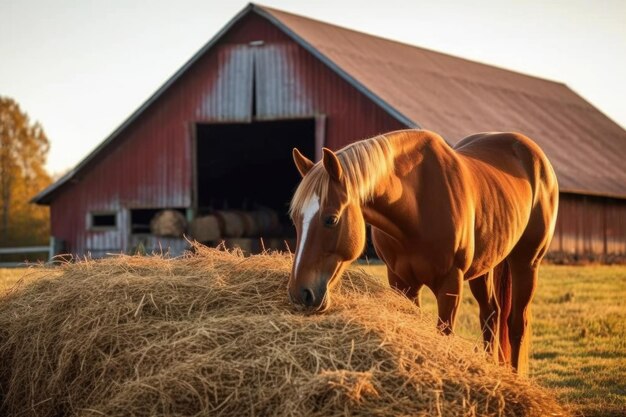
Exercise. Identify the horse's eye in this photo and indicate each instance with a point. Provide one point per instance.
(331, 221)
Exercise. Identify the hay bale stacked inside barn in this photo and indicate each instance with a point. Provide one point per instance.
(214, 334)
(168, 223)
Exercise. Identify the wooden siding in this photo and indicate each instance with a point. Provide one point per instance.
(230, 98)
(589, 225)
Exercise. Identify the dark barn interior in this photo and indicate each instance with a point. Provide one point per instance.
(246, 166)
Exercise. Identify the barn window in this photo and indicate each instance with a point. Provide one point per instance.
(103, 220)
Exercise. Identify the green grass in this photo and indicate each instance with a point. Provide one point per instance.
(579, 332)
(580, 336)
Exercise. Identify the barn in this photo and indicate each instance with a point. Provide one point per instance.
(217, 136)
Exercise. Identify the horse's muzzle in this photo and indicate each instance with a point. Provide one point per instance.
(310, 297)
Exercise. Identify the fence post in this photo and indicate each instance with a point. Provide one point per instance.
(51, 250)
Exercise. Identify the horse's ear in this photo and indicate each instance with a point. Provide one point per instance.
(332, 165)
(303, 163)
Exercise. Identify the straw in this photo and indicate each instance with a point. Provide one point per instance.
(213, 333)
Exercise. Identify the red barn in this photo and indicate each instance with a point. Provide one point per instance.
(219, 133)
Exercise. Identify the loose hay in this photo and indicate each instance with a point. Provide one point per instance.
(213, 334)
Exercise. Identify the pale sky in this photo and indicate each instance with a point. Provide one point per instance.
(81, 67)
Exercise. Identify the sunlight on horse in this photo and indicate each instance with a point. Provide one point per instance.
(484, 211)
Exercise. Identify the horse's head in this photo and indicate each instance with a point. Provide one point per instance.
(330, 230)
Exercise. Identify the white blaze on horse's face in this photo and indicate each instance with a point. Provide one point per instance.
(329, 237)
(311, 210)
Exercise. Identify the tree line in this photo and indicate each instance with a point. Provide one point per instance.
(23, 152)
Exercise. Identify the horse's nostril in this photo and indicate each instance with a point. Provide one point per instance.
(307, 297)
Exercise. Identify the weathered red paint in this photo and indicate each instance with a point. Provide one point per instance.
(590, 225)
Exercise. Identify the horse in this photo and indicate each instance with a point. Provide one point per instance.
(483, 211)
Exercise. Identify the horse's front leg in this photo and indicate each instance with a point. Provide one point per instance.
(412, 291)
(483, 291)
(448, 289)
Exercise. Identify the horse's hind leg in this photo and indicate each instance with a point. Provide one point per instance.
(523, 282)
(483, 291)
(524, 263)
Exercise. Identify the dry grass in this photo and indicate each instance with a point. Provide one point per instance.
(214, 334)
(10, 277)
(579, 334)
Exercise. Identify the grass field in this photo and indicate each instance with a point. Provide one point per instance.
(579, 332)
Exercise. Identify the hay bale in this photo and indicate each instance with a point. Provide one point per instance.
(267, 221)
(231, 223)
(214, 334)
(250, 226)
(168, 223)
(205, 229)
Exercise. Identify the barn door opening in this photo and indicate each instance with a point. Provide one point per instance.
(248, 166)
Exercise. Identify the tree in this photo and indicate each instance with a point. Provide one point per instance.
(23, 151)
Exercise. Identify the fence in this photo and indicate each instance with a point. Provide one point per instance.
(49, 250)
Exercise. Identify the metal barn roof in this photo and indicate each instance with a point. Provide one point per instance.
(452, 96)
(456, 97)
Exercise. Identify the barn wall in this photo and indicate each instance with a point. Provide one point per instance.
(150, 163)
(293, 83)
(588, 225)
(149, 167)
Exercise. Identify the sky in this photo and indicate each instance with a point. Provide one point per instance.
(81, 67)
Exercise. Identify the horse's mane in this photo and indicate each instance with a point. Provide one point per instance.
(364, 164)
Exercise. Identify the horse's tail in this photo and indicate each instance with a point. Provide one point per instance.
(502, 284)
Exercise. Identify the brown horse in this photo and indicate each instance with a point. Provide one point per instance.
(484, 211)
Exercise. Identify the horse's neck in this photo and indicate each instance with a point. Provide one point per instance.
(418, 157)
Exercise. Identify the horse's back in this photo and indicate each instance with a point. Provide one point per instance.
(512, 179)
(511, 154)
